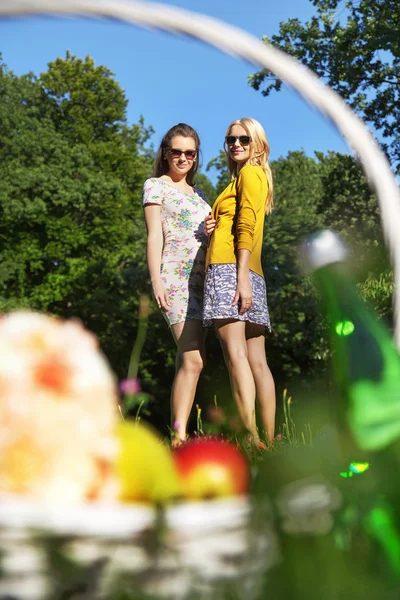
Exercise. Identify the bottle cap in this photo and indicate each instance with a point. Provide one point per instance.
(322, 248)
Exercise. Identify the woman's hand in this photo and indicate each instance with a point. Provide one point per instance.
(161, 296)
(209, 224)
(243, 296)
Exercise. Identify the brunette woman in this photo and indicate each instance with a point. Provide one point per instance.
(176, 246)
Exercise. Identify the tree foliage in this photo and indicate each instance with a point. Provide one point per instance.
(354, 46)
(326, 191)
(71, 221)
(72, 230)
(220, 164)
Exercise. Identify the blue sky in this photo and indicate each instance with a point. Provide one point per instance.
(168, 79)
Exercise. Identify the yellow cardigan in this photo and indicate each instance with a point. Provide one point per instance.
(239, 212)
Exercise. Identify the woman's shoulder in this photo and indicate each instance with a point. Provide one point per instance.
(252, 171)
(152, 190)
(158, 183)
(252, 175)
(151, 182)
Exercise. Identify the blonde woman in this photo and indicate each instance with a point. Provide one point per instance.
(176, 247)
(235, 298)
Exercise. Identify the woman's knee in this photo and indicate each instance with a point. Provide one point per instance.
(259, 366)
(193, 362)
(258, 363)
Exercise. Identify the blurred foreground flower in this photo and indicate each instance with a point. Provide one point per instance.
(130, 386)
(58, 410)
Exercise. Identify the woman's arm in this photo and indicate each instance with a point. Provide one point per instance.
(249, 200)
(154, 248)
(248, 197)
(244, 294)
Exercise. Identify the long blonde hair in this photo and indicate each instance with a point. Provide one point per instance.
(259, 154)
(160, 166)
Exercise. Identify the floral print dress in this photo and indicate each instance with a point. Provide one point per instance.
(185, 246)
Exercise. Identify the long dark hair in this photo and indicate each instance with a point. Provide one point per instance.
(161, 165)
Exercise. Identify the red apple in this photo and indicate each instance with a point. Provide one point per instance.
(211, 468)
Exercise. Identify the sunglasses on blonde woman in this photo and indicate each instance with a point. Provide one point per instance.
(176, 153)
(243, 139)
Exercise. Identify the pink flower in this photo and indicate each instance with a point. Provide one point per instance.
(130, 386)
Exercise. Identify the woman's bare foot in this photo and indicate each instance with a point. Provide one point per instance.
(253, 443)
(176, 442)
(261, 446)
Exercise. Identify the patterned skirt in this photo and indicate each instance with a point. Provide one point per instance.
(219, 291)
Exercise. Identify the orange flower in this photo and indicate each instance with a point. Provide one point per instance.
(53, 373)
(58, 409)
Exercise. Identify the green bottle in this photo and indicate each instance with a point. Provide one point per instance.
(365, 359)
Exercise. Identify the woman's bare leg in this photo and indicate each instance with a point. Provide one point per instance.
(190, 360)
(232, 337)
(265, 385)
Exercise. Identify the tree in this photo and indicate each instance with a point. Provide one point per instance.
(329, 191)
(203, 182)
(71, 221)
(297, 345)
(354, 46)
(71, 218)
(349, 206)
(220, 163)
(88, 104)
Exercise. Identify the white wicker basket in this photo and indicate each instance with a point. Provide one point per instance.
(191, 550)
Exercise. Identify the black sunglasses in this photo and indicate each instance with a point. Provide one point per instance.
(243, 139)
(176, 153)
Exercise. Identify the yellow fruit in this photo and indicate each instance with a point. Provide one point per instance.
(144, 466)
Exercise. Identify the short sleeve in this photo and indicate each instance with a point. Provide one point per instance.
(152, 192)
